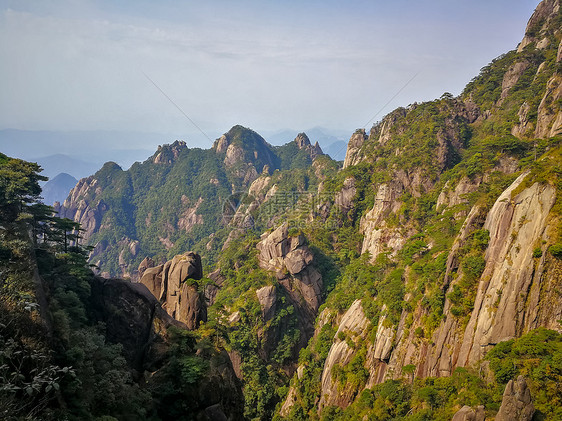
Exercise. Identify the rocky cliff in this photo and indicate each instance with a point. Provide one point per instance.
(457, 204)
(291, 260)
(438, 242)
(174, 284)
(134, 318)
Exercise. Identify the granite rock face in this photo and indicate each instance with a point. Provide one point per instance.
(378, 235)
(303, 143)
(353, 147)
(516, 224)
(174, 285)
(353, 326)
(466, 413)
(516, 403)
(267, 298)
(344, 198)
(134, 318)
(291, 261)
(81, 210)
(168, 154)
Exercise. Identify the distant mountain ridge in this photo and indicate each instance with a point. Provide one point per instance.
(57, 188)
(59, 163)
(333, 142)
(92, 146)
(173, 200)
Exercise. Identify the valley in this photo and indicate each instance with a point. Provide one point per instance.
(417, 279)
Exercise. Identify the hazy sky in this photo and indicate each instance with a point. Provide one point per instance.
(268, 65)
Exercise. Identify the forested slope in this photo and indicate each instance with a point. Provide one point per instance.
(422, 276)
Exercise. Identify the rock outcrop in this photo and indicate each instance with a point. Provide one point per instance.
(466, 413)
(174, 285)
(379, 236)
(516, 403)
(352, 327)
(516, 224)
(246, 153)
(354, 146)
(80, 209)
(549, 115)
(303, 143)
(344, 198)
(168, 154)
(449, 197)
(134, 318)
(267, 298)
(147, 263)
(291, 261)
(539, 24)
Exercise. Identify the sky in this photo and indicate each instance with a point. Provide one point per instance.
(182, 68)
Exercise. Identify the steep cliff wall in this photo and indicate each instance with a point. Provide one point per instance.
(459, 198)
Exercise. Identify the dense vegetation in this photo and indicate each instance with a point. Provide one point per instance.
(58, 363)
(55, 360)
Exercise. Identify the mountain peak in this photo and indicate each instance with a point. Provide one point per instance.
(302, 140)
(542, 23)
(166, 154)
(303, 143)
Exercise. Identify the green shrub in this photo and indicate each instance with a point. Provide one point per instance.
(556, 250)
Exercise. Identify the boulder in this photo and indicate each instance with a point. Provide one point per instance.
(516, 403)
(145, 264)
(466, 413)
(174, 285)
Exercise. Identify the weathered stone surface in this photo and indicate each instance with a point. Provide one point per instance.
(466, 413)
(515, 225)
(152, 279)
(378, 236)
(353, 147)
(212, 289)
(344, 198)
(354, 325)
(290, 401)
(511, 77)
(173, 284)
(133, 317)
(189, 217)
(459, 195)
(297, 260)
(258, 188)
(541, 19)
(516, 403)
(303, 143)
(267, 298)
(80, 209)
(524, 125)
(147, 263)
(384, 339)
(291, 261)
(167, 154)
(549, 119)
